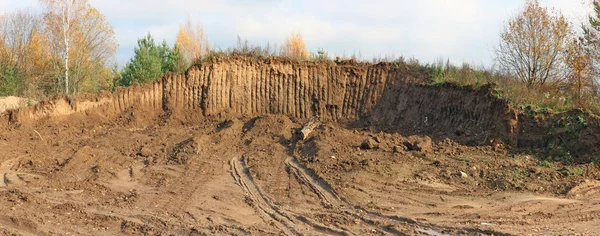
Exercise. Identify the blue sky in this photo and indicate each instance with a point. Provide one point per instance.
(461, 30)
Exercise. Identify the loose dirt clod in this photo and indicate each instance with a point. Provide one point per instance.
(419, 143)
(369, 143)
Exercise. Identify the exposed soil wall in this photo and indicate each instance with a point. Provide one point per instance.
(386, 96)
(446, 110)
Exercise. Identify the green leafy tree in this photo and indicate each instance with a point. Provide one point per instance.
(152, 61)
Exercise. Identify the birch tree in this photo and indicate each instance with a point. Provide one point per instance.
(191, 39)
(84, 39)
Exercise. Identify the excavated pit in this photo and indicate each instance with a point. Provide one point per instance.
(386, 97)
(225, 149)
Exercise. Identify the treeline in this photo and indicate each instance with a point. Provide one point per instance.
(66, 49)
(69, 48)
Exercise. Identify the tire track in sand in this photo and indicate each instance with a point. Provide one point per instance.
(289, 223)
(330, 198)
(374, 220)
(317, 185)
(10, 177)
(260, 201)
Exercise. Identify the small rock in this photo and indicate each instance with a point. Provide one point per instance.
(369, 143)
(463, 174)
(421, 144)
(399, 149)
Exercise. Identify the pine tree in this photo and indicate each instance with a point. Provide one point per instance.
(152, 61)
(145, 66)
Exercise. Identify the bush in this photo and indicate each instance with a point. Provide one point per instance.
(10, 84)
(321, 55)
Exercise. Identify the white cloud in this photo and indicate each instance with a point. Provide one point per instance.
(462, 30)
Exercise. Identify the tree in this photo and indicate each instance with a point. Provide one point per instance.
(151, 61)
(10, 84)
(179, 63)
(294, 47)
(39, 67)
(145, 66)
(591, 44)
(17, 30)
(113, 80)
(83, 38)
(191, 40)
(532, 45)
(580, 68)
(4, 54)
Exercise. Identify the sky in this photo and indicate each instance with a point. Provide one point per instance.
(428, 30)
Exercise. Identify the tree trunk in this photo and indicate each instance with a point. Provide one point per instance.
(308, 128)
(66, 21)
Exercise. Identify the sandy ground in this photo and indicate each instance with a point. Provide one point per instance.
(256, 176)
(7, 103)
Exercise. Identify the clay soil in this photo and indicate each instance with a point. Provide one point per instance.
(82, 175)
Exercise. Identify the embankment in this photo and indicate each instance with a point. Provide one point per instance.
(386, 96)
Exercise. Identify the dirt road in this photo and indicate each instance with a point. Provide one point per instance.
(255, 176)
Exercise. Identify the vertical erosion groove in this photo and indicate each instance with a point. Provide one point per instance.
(219, 89)
(268, 91)
(296, 98)
(190, 85)
(276, 91)
(284, 94)
(194, 90)
(233, 87)
(252, 84)
(180, 92)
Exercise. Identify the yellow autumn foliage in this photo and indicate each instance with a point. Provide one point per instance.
(295, 47)
(532, 45)
(91, 46)
(192, 40)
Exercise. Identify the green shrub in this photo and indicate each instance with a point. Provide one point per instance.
(10, 83)
(321, 55)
